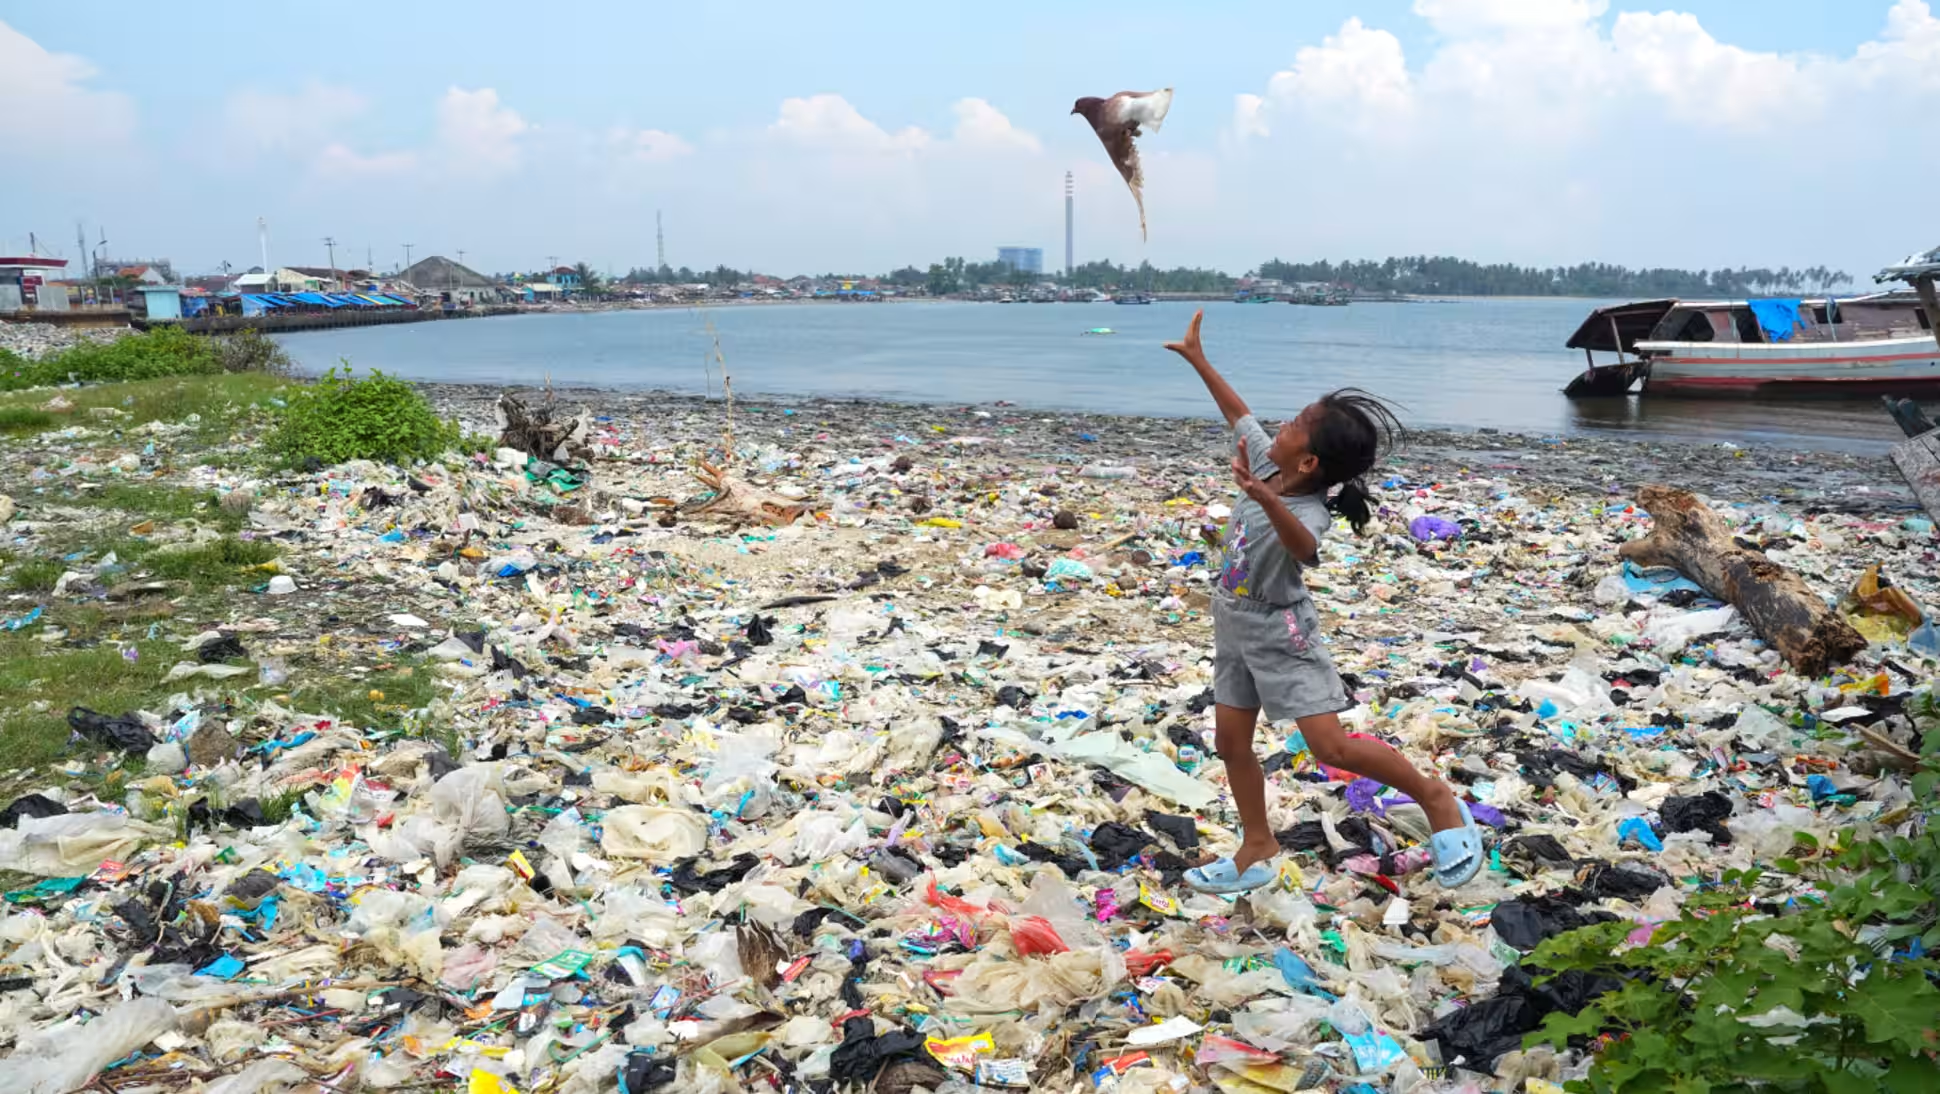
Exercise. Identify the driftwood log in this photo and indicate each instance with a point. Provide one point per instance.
(543, 430)
(1780, 607)
(742, 501)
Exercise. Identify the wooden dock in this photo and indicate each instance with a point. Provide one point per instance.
(330, 320)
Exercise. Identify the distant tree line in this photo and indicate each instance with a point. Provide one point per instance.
(1419, 274)
(1459, 276)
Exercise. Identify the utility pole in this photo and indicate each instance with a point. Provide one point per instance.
(1067, 225)
(407, 256)
(659, 242)
(331, 243)
(262, 239)
(81, 249)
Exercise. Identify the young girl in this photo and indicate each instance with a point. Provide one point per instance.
(1267, 650)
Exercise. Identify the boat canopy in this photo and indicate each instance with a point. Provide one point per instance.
(1632, 321)
(1912, 268)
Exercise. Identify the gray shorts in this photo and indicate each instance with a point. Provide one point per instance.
(1270, 657)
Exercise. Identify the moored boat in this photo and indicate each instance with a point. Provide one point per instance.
(1132, 298)
(1878, 342)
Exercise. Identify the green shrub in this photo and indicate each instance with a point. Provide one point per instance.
(250, 350)
(342, 417)
(1852, 965)
(164, 351)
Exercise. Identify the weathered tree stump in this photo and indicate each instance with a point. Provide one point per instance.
(1781, 608)
(541, 430)
(742, 501)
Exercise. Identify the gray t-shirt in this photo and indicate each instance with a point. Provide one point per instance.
(1254, 564)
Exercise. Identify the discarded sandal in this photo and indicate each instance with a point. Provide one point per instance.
(1223, 878)
(1457, 851)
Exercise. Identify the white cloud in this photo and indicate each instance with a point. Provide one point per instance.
(979, 123)
(1467, 17)
(47, 107)
(1556, 129)
(476, 133)
(338, 160)
(646, 145)
(265, 121)
(830, 123)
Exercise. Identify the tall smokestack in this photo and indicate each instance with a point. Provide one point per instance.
(1068, 266)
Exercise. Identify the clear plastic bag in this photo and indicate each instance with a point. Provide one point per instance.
(660, 836)
(67, 1057)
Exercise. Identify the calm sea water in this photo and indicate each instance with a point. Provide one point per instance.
(1468, 364)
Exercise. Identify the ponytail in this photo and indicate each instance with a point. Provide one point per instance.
(1353, 502)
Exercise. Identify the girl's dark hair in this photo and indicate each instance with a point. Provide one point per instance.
(1351, 431)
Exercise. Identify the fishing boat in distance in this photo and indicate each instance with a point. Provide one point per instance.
(1878, 342)
(1132, 298)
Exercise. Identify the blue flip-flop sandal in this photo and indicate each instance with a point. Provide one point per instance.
(1223, 878)
(1457, 851)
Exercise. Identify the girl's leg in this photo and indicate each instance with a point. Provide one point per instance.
(1331, 745)
(1233, 738)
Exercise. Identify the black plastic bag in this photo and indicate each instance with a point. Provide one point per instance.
(1478, 1033)
(1627, 881)
(1014, 697)
(126, 733)
(1182, 831)
(1118, 844)
(30, 805)
(1528, 920)
(222, 649)
(1701, 813)
(687, 880)
(862, 1054)
(1539, 849)
(758, 632)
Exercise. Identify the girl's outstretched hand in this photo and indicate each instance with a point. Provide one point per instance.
(1189, 347)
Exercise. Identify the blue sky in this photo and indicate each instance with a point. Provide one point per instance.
(794, 137)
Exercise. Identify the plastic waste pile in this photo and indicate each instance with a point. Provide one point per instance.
(900, 796)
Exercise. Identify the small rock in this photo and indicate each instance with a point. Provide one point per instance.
(210, 745)
(902, 464)
(1066, 520)
(6, 508)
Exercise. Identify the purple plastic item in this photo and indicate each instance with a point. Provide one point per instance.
(1430, 529)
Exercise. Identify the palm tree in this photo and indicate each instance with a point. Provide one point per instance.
(589, 278)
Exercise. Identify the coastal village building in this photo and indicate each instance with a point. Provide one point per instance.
(24, 283)
(454, 284)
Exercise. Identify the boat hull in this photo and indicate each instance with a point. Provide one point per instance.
(1859, 368)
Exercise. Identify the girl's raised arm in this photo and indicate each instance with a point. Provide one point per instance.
(1230, 404)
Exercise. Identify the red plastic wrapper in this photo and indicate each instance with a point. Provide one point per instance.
(1139, 963)
(955, 905)
(1034, 935)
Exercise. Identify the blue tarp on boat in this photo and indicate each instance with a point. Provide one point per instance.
(1779, 318)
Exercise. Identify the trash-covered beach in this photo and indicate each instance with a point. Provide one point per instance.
(539, 773)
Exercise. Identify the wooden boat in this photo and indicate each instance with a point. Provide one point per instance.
(1132, 298)
(1876, 343)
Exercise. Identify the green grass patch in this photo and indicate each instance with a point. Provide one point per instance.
(217, 398)
(100, 678)
(165, 351)
(382, 699)
(24, 419)
(220, 563)
(157, 502)
(32, 575)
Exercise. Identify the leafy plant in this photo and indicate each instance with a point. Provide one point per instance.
(250, 350)
(377, 417)
(164, 351)
(1752, 989)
